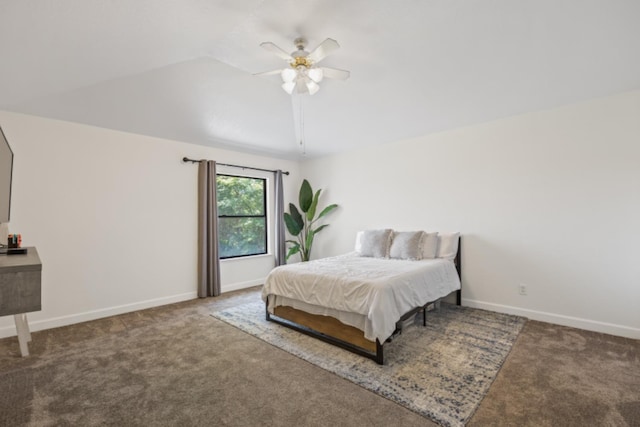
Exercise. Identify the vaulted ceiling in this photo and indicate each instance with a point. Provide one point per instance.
(183, 69)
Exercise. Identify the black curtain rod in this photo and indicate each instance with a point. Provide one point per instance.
(186, 159)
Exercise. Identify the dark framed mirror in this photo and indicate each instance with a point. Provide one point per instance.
(6, 173)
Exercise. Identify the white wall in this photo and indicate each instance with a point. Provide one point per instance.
(548, 199)
(113, 216)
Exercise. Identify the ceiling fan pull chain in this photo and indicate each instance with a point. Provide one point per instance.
(303, 147)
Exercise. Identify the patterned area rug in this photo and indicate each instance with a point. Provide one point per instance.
(441, 371)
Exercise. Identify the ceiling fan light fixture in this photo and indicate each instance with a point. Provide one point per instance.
(289, 75)
(301, 87)
(312, 87)
(289, 87)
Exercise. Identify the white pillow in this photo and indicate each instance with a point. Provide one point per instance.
(406, 245)
(375, 243)
(358, 246)
(429, 245)
(448, 245)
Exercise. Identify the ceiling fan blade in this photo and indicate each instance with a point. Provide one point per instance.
(315, 74)
(269, 73)
(278, 51)
(325, 48)
(334, 73)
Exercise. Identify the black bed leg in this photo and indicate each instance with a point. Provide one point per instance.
(379, 353)
(458, 263)
(424, 316)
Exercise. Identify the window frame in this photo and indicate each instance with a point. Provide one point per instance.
(265, 216)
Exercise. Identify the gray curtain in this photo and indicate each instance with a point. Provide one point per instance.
(208, 259)
(281, 250)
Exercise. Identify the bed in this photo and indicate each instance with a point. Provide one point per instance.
(360, 300)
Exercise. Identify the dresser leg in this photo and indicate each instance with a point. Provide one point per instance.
(24, 336)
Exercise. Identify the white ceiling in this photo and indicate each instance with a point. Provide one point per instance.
(183, 69)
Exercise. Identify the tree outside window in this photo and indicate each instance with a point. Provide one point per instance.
(242, 218)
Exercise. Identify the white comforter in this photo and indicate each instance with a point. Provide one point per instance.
(380, 289)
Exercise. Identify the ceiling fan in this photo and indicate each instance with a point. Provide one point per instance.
(302, 74)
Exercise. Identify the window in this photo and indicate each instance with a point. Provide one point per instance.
(242, 218)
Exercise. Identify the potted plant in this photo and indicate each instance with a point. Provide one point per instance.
(300, 222)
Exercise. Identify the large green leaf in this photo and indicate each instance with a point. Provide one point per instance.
(314, 204)
(306, 196)
(327, 210)
(292, 251)
(319, 229)
(292, 225)
(296, 215)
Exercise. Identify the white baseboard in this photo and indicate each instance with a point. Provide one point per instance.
(56, 322)
(242, 285)
(559, 319)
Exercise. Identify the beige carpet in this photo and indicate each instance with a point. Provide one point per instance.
(177, 365)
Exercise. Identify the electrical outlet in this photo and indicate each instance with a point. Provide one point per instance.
(522, 289)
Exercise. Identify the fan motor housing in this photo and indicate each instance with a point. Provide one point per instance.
(301, 61)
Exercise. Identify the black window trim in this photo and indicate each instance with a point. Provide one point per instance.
(265, 216)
